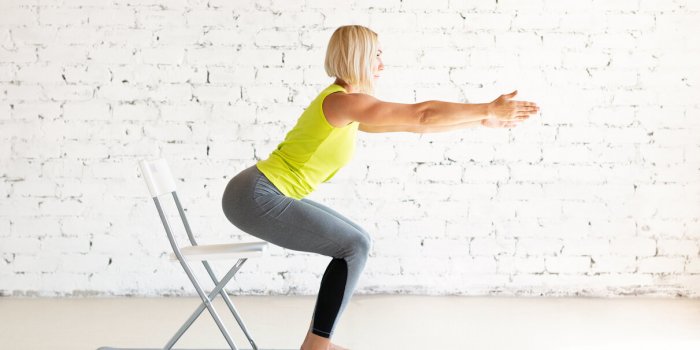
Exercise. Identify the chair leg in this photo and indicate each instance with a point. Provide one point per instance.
(238, 319)
(206, 302)
(230, 305)
(200, 308)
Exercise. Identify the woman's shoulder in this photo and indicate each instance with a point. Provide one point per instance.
(333, 106)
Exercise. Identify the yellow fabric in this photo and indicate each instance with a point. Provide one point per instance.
(312, 152)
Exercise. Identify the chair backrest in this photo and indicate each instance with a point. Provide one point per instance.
(160, 181)
(158, 176)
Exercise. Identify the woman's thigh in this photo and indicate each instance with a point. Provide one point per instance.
(293, 224)
(258, 208)
(333, 212)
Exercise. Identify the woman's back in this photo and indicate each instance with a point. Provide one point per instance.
(312, 152)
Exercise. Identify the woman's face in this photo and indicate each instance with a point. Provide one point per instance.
(377, 65)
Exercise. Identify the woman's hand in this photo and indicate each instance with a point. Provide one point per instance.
(504, 109)
(495, 123)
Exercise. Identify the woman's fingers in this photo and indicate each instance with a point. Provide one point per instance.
(516, 110)
(525, 106)
(517, 118)
(525, 103)
(532, 109)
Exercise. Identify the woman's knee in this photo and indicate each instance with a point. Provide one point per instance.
(361, 244)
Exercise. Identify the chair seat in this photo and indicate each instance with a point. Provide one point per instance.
(222, 251)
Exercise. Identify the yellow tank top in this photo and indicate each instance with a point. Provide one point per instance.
(312, 152)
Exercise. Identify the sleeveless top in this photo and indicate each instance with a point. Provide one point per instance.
(312, 152)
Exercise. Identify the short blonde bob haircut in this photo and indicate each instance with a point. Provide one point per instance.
(350, 54)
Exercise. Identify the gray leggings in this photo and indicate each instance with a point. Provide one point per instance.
(254, 205)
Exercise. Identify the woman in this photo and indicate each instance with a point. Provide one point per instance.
(267, 200)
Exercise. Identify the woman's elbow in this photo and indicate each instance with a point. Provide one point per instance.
(425, 113)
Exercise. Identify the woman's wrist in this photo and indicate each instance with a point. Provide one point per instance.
(488, 112)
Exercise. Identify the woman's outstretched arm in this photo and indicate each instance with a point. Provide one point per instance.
(442, 113)
(420, 129)
(502, 109)
(366, 109)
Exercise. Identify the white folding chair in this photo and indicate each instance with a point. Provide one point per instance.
(160, 182)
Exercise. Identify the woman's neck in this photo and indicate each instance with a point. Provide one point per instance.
(349, 88)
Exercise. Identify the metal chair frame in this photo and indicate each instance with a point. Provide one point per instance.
(160, 182)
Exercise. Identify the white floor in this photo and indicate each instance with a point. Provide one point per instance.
(370, 322)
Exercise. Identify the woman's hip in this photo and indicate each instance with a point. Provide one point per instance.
(238, 200)
(257, 207)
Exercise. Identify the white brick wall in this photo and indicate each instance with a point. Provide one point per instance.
(597, 195)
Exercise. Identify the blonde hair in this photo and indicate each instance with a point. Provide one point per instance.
(350, 54)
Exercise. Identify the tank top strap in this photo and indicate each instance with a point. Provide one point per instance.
(331, 89)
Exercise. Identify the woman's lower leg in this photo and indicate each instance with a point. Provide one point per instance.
(330, 298)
